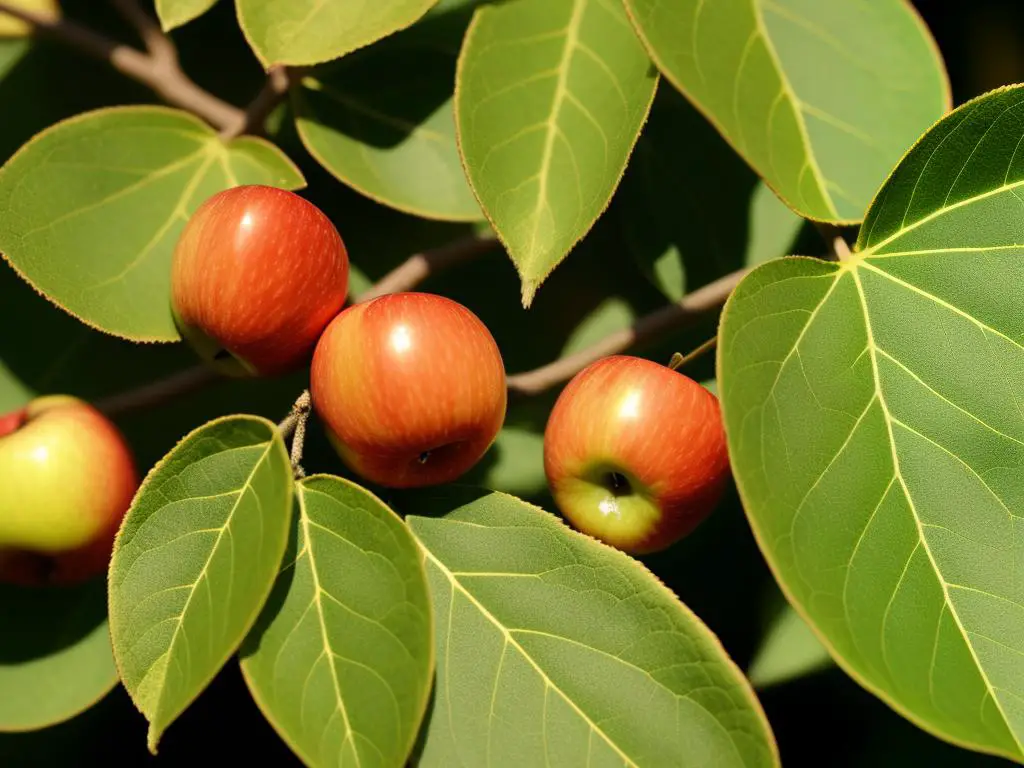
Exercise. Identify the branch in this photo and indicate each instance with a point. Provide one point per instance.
(160, 391)
(158, 69)
(420, 266)
(159, 45)
(405, 277)
(275, 89)
(692, 307)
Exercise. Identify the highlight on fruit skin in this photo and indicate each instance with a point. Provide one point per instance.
(256, 276)
(635, 453)
(411, 389)
(67, 478)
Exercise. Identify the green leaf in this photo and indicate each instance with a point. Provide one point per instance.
(55, 657)
(789, 650)
(342, 658)
(93, 207)
(513, 464)
(821, 98)
(555, 649)
(690, 209)
(550, 97)
(872, 410)
(390, 138)
(194, 561)
(302, 32)
(175, 13)
(12, 50)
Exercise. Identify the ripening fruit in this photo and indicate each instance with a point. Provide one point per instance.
(67, 477)
(411, 387)
(635, 453)
(257, 275)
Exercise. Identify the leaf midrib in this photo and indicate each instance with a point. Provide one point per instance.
(923, 541)
(213, 549)
(328, 650)
(558, 99)
(510, 640)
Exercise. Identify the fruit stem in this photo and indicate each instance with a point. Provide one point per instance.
(294, 425)
(679, 360)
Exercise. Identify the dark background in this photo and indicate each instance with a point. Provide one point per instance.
(824, 719)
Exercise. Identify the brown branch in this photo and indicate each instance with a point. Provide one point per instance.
(420, 266)
(156, 71)
(692, 307)
(275, 89)
(159, 45)
(177, 384)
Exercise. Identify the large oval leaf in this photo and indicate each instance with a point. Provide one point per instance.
(381, 121)
(341, 660)
(821, 98)
(55, 657)
(872, 409)
(93, 207)
(306, 32)
(194, 561)
(550, 97)
(554, 649)
(174, 13)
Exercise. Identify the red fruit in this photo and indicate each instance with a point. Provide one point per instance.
(635, 453)
(258, 273)
(411, 387)
(67, 477)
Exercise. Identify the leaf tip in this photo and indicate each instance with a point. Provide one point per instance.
(529, 290)
(153, 738)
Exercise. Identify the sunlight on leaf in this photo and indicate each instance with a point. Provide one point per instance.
(554, 649)
(549, 100)
(821, 98)
(94, 205)
(877, 436)
(341, 660)
(194, 561)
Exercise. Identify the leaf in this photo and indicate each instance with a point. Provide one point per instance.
(821, 98)
(789, 650)
(390, 138)
(342, 658)
(57, 663)
(549, 99)
(690, 209)
(93, 207)
(194, 561)
(874, 424)
(176, 13)
(554, 649)
(302, 32)
(513, 464)
(11, 52)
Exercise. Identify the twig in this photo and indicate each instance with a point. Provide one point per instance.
(693, 306)
(838, 249)
(420, 266)
(274, 91)
(159, 45)
(162, 75)
(174, 386)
